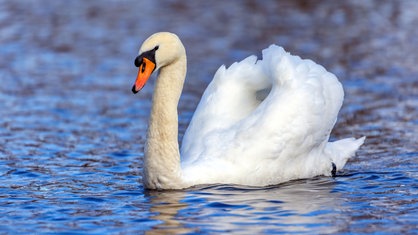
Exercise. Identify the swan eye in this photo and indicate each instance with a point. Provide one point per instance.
(156, 48)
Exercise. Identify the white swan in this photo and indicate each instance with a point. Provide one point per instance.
(238, 135)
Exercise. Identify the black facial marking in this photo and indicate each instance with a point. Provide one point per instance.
(138, 61)
(150, 55)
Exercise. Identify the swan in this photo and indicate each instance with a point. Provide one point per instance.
(258, 123)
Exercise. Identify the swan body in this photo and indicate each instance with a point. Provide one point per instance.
(259, 122)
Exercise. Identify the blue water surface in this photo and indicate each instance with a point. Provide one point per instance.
(72, 133)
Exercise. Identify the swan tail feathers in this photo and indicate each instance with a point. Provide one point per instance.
(344, 149)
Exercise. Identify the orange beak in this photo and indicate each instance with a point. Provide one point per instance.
(145, 70)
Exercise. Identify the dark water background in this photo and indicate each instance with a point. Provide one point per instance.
(72, 133)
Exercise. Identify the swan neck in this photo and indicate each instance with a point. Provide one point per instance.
(162, 156)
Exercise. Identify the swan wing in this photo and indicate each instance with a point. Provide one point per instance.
(237, 137)
(287, 133)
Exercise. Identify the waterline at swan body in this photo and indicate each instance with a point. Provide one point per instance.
(236, 135)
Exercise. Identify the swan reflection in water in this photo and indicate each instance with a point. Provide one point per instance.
(166, 206)
(299, 206)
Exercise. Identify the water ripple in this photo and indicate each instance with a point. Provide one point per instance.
(72, 134)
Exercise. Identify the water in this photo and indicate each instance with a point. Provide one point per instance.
(71, 132)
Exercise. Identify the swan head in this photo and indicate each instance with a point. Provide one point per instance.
(159, 50)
